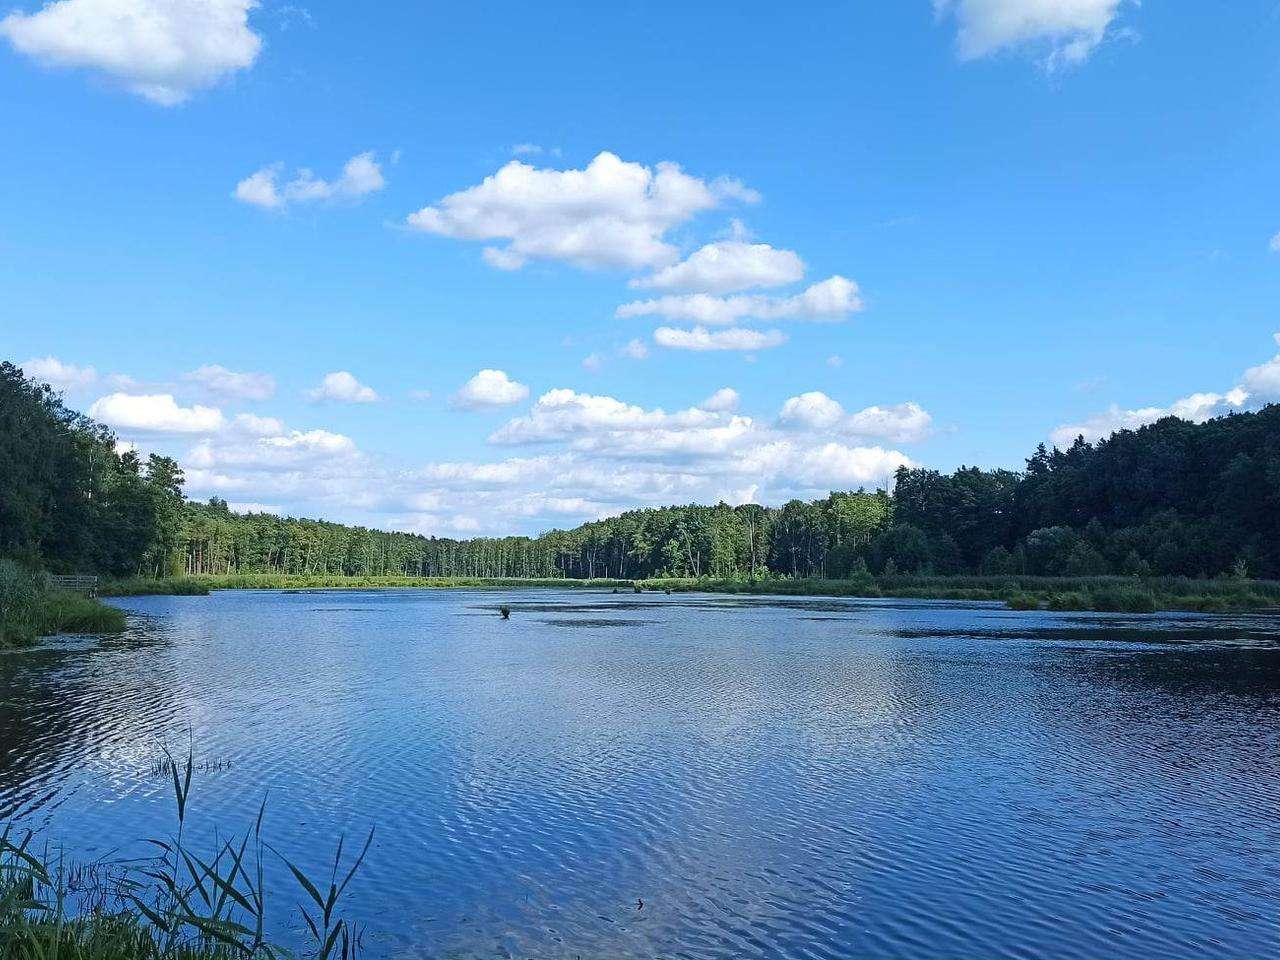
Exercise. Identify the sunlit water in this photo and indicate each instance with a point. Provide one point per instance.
(687, 776)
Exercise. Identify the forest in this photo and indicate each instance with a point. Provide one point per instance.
(1171, 498)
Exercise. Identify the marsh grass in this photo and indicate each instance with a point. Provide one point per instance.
(1111, 593)
(179, 904)
(143, 586)
(30, 608)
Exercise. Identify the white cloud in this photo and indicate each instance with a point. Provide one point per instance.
(1275, 243)
(726, 267)
(815, 411)
(1263, 380)
(1069, 30)
(256, 426)
(342, 387)
(901, 423)
(155, 413)
(635, 349)
(600, 456)
(360, 176)
(488, 389)
(702, 339)
(614, 455)
(561, 413)
(722, 401)
(811, 411)
(164, 50)
(832, 299)
(835, 361)
(593, 362)
(612, 213)
(243, 386)
(1257, 386)
(59, 375)
(1197, 408)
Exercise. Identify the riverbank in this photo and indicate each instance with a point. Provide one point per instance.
(1110, 593)
(183, 586)
(30, 608)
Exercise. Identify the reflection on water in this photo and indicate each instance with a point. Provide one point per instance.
(768, 777)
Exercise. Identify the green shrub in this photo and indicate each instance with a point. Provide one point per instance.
(1023, 601)
(1070, 600)
(1122, 600)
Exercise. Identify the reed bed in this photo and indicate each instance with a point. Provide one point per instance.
(1118, 594)
(30, 608)
(181, 904)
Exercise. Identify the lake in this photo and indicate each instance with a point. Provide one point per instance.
(689, 776)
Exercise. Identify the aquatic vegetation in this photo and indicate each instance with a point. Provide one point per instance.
(144, 586)
(30, 608)
(1101, 593)
(180, 905)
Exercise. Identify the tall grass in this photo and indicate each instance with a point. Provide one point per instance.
(145, 586)
(1111, 593)
(30, 608)
(179, 905)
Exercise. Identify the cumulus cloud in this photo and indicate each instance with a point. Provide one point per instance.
(1275, 243)
(1065, 31)
(702, 339)
(609, 455)
(562, 413)
(59, 375)
(1257, 386)
(728, 266)
(723, 400)
(155, 414)
(1197, 408)
(815, 411)
(219, 380)
(811, 411)
(1263, 381)
(488, 389)
(612, 213)
(342, 387)
(163, 50)
(255, 426)
(832, 299)
(280, 451)
(361, 176)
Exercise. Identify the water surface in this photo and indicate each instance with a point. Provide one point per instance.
(769, 778)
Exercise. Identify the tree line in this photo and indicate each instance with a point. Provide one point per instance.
(1169, 498)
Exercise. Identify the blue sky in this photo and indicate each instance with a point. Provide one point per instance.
(1058, 215)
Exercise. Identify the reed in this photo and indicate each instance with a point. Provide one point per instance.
(144, 586)
(1111, 593)
(30, 608)
(181, 904)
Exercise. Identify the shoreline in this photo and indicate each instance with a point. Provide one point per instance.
(1098, 594)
